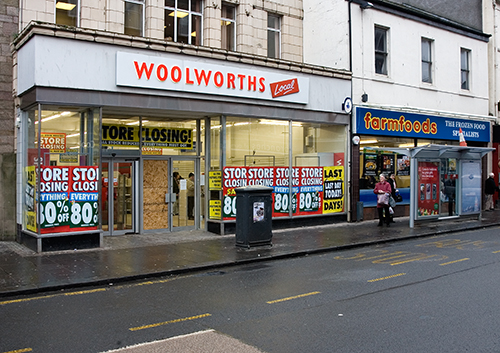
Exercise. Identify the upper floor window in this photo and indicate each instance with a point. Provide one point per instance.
(427, 60)
(67, 12)
(465, 68)
(381, 52)
(183, 21)
(134, 17)
(228, 27)
(273, 36)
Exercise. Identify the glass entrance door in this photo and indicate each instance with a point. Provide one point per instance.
(168, 194)
(118, 196)
(183, 208)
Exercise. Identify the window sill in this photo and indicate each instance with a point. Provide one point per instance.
(428, 87)
(383, 78)
(466, 93)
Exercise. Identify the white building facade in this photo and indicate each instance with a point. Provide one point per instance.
(414, 67)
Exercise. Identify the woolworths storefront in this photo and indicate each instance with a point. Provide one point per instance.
(118, 138)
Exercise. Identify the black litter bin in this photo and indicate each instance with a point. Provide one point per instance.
(254, 216)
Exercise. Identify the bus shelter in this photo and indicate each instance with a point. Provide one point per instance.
(446, 181)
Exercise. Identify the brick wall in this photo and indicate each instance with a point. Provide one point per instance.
(9, 10)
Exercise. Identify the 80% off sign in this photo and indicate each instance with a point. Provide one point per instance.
(69, 198)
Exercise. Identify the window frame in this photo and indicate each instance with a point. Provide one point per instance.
(78, 9)
(384, 70)
(465, 84)
(428, 63)
(274, 32)
(228, 45)
(143, 20)
(190, 16)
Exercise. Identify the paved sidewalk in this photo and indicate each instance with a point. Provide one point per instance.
(125, 258)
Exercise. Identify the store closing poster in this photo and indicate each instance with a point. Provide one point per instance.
(428, 189)
(69, 199)
(315, 190)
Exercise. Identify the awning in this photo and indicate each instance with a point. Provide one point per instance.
(440, 151)
(445, 151)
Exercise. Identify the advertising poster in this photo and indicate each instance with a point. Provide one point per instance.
(471, 187)
(403, 167)
(152, 137)
(215, 180)
(33, 156)
(69, 199)
(428, 189)
(310, 196)
(370, 164)
(214, 209)
(387, 164)
(307, 184)
(55, 142)
(258, 212)
(29, 199)
(333, 189)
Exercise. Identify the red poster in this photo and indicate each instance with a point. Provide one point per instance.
(307, 192)
(69, 199)
(428, 189)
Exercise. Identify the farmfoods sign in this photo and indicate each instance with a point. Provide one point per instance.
(409, 125)
(157, 72)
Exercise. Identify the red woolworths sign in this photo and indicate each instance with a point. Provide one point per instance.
(283, 88)
(173, 72)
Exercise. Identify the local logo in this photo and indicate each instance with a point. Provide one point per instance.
(283, 88)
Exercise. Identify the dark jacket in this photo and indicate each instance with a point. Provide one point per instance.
(490, 186)
(393, 188)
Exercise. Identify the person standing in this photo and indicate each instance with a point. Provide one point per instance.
(190, 196)
(383, 191)
(392, 182)
(176, 189)
(489, 190)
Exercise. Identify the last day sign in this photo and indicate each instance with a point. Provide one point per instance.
(333, 189)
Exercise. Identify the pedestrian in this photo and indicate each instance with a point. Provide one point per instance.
(190, 195)
(383, 191)
(392, 182)
(489, 189)
(176, 189)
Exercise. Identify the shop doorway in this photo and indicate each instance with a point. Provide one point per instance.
(169, 194)
(119, 196)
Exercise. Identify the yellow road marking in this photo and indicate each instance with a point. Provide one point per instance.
(496, 252)
(454, 262)
(85, 292)
(90, 291)
(53, 296)
(384, 255)
(455, 243)
(381, 279)
(290, 298)
(169, 322)
(20, 350)
(417, 258)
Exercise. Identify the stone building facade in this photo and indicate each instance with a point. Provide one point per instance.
(9, 11)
